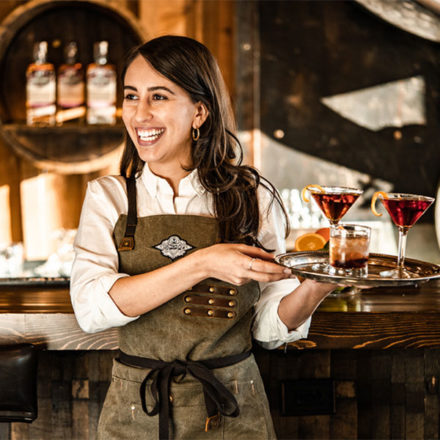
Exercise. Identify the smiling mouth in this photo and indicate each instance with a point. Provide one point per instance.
(150, 135)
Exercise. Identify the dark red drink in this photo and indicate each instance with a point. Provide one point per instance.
(334, 206)
(356, 263)
(406, 211)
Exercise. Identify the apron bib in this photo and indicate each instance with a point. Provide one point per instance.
(212, 320)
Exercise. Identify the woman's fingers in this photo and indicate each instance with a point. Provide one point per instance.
(259, 265)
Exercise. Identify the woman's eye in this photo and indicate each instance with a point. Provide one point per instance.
(130, 97)
(158, 97)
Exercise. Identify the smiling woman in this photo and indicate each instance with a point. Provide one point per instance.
(175, 253)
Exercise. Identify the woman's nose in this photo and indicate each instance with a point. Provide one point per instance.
(143, 111)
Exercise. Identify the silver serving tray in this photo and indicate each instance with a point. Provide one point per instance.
(314, 265)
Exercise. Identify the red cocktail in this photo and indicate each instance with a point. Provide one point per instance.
(404, 210)
(334, 201)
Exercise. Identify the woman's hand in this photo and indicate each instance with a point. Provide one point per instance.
(238, 264)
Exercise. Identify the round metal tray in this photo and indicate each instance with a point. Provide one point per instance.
(314, 265)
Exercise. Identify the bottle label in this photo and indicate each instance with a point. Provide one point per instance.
(70, 89)
(101, 95)
(101, 88)
(40, 88)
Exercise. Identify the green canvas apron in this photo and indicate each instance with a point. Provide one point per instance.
(212, 320)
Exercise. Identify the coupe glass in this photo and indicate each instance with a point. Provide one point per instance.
(404, 210)
(334, 201)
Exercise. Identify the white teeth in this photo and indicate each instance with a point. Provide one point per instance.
(149, 135)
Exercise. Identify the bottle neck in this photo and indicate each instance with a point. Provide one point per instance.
(100, 53)
(40, 54)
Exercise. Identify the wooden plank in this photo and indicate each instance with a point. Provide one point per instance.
(344, 424)
(54, 332)
(5, 430)
(365, 330)
(80, 420)
(432, 407)
(343, 365)
(314, 427)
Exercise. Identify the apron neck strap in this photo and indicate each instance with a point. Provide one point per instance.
(127, 243)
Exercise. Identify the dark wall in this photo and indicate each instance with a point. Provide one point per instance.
(314, 49)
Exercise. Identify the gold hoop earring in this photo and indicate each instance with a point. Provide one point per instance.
(195, 134)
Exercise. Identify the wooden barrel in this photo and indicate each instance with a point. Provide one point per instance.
(67, 149)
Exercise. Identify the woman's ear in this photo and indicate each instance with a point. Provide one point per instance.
(201, 113)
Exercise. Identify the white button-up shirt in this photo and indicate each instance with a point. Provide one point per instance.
(95, 268)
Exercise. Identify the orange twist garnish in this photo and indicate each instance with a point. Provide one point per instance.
(376, 195)
(307, 188)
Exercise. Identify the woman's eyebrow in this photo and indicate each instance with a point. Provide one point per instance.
(151, 89)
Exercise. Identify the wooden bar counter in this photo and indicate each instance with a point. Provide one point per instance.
(378, 349)
(379, 318)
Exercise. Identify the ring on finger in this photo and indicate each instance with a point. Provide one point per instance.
(251, 263)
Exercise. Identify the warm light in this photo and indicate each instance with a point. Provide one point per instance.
(5, 216)
(40, 214)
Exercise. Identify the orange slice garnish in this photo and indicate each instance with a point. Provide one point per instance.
(310, 242)
(307, 188)
(376, 195)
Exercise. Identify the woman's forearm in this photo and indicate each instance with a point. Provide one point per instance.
(296, 308)
(138, 294)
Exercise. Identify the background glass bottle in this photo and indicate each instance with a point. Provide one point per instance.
(101, 87)
(70, 87)
(40, 88)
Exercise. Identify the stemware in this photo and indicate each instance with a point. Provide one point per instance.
(404, 210)
(334, 201)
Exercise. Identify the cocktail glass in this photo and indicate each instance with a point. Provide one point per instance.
(349, 246)
(404, 210)
(334, 201)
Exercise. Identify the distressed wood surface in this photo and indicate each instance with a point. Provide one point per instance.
(53, 331)
(376, 319)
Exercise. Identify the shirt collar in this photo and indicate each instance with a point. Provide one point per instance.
(155, 184)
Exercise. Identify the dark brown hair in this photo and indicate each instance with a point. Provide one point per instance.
(217, 154)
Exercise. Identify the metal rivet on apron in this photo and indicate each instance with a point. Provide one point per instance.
(211, 301)
(253, 387)
(232, 292)
(188, 299)
(210, 312)
(212, 289)
(231, 315)
(231, 303)
(133, 409)
(187, 311)
(171, 398)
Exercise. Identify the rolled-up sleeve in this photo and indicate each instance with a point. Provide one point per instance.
(268, 329)
(95, 268)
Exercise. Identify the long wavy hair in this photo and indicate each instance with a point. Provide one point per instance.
(217, 154)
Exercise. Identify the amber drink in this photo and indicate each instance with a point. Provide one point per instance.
(349, 246)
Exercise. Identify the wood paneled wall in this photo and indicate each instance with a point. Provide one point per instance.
(379, 394)
(34, 203)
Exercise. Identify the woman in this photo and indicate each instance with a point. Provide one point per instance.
(174, 252)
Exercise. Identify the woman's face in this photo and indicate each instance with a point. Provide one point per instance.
(159, 116)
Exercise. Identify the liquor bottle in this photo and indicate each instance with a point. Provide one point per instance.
(70, 87)
(101, 87)
(40, 88)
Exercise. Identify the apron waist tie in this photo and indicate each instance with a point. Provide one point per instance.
(218, 399)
